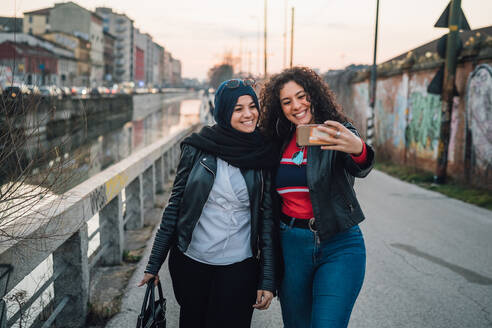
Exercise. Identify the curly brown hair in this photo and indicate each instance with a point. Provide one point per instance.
(273, 122)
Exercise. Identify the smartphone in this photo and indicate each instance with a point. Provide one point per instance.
(305, 131)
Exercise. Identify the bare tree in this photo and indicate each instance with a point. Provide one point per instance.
(34, 172)
(220, 73)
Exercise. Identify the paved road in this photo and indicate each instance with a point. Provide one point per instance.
(429, 263)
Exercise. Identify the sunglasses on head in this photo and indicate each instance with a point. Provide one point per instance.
(232, 84)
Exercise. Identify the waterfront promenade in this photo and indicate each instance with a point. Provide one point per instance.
(428, 263)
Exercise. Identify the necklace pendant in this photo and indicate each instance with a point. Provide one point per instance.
(298, 157)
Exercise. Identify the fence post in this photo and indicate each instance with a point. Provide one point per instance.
(165, 157)
(3, 314)
(175, 150)
(159, 175)
(134, 204)
(111, 231)
(71, 257)
(5, 271)
(149, 187)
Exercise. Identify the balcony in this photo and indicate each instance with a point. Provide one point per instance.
(121, 29)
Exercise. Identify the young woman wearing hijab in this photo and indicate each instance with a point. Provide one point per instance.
(218, 224)
(323, 249)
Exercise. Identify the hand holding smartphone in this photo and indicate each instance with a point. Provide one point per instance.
(308, 135)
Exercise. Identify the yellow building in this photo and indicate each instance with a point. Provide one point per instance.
(36, 22)
(81, 49)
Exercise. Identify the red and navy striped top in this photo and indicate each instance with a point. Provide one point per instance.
(291, 182)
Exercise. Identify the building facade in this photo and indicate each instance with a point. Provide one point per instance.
(122, 28)
(81, 50)
(66, 64)
(176, 73)
(11, 24)
(168, 70)
(109, 51)
(29, 64)
(36, 22)
(71, 18)
(140, 64)
(159, 65)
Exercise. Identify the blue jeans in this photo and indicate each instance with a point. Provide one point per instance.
(321, 279)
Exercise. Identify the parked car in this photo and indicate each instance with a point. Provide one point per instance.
(94, 92)
(15, 91)
(45, 91)
(66, 91)
(33, 89)
(12, 92)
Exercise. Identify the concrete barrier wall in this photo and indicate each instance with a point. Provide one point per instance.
(408, 119)
(138, 177)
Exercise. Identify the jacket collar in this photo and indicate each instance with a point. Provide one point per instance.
(210, 161)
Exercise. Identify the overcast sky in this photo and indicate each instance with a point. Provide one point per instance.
(328, 34)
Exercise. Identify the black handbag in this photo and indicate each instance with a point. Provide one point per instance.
(153, 313)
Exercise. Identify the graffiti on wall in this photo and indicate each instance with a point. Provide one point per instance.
(390, 111)
(424, 121)
(98, 199)
(479, 116)
(400, 110)
(360, 94)
(115, 185)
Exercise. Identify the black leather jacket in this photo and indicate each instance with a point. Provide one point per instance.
(330, 178)
(194, 179)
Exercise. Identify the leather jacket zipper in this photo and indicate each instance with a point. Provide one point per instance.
(262, 186)
(347, 202)
(207, 168)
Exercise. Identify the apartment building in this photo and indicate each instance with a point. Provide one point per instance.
(122, 28)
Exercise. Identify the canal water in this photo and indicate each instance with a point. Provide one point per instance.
(109, 147)
(146, 127)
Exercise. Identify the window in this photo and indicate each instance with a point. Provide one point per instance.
(47, 19)
(30, 30)
(30, 19)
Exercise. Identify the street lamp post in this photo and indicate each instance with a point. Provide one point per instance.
(372, 100)
(285, 33)
(292, 39)
(448, 90)
(265, 42)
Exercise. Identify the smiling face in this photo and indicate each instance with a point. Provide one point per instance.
(295, 105)
(245, 114)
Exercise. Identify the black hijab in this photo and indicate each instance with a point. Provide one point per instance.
(240, 149)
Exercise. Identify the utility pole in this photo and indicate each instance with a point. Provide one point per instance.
(372, 93)
(240, 54)
(258, 48)
(285, 33)
(448, 90)
(292, 38)
(265, 42)
(249, 63)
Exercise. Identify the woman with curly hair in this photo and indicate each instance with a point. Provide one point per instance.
(323, 248)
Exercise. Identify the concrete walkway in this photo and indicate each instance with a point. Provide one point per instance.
(428, 263)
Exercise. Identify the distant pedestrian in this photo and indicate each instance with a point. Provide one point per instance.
(323, 250)
(218, 224)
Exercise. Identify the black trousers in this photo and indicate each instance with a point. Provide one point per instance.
(217, 296)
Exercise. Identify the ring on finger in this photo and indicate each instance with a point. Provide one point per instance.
(337, 135)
